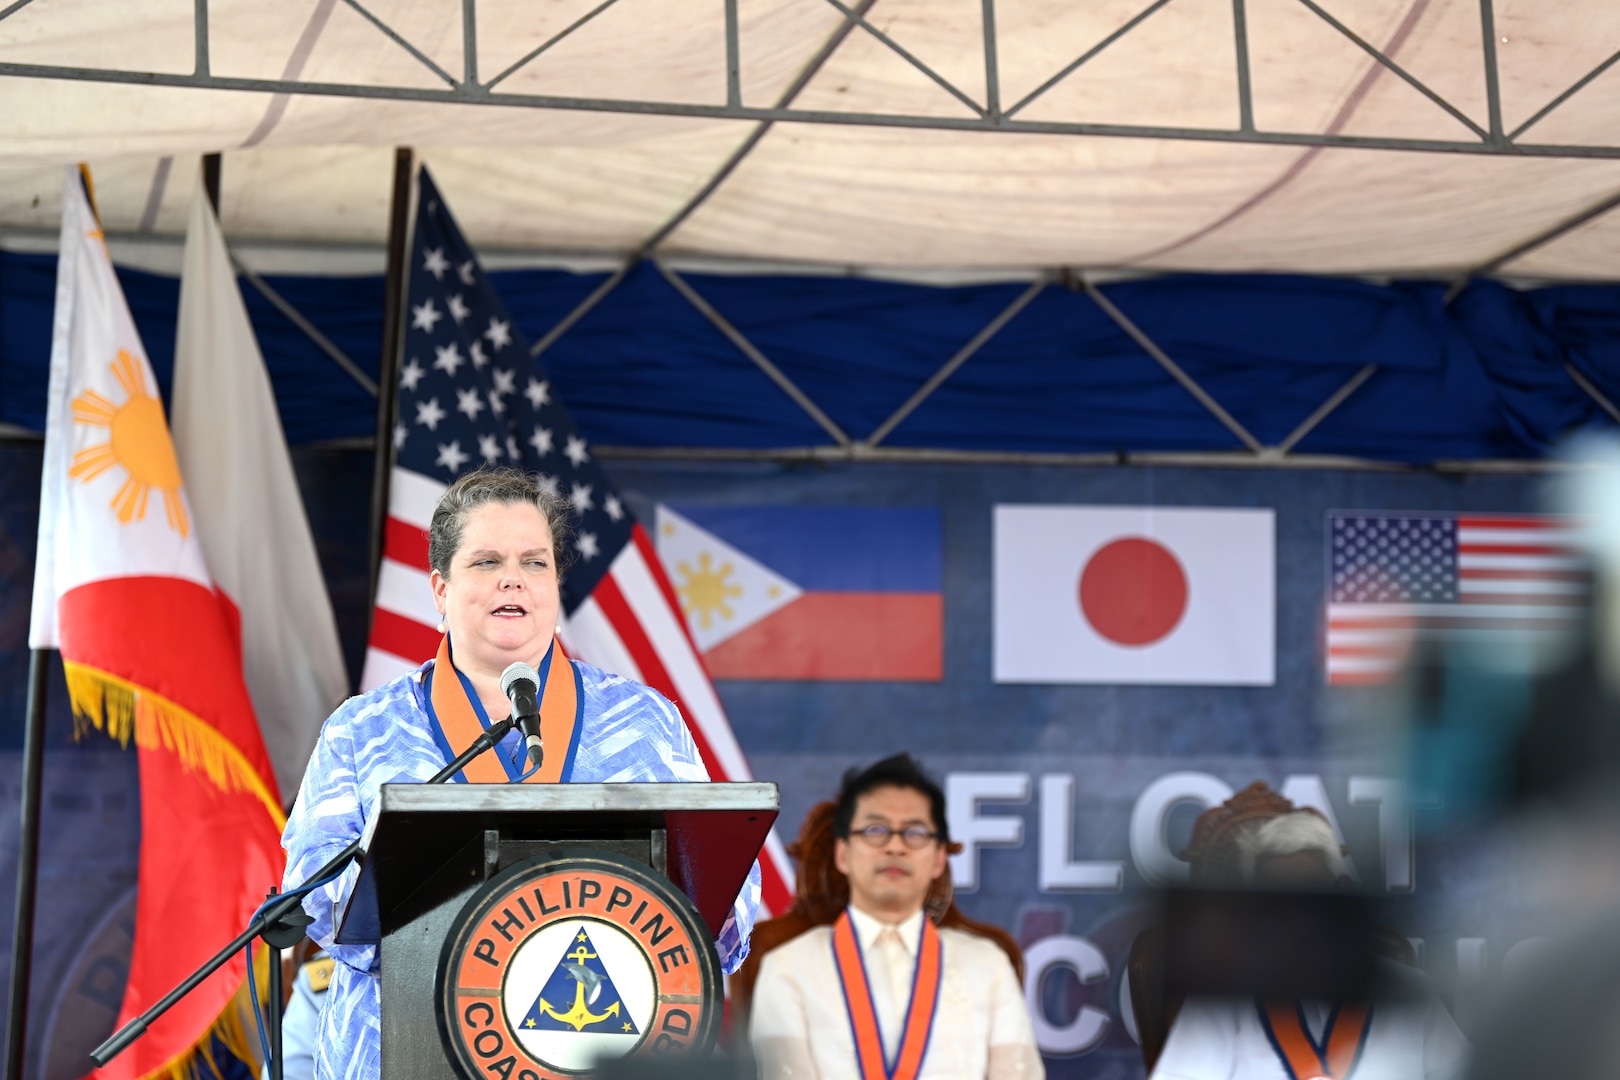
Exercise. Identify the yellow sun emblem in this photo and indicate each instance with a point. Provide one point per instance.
(138, 440)
(705, 591)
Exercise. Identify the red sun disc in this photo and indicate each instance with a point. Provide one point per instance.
(1133, 591)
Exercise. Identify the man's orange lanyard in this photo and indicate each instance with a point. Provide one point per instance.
(863, 1024)
(1334, 1058)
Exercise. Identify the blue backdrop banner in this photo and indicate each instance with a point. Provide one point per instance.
(1488, 375)
(1069, 798)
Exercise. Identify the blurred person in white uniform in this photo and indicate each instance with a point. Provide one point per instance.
(1412, 1038)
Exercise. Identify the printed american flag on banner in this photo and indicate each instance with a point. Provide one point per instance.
(470, 393)
(1395, 579)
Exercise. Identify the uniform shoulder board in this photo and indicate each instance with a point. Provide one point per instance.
(320, 974)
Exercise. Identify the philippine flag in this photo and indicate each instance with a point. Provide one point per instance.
(809, 592)
(1135, 594)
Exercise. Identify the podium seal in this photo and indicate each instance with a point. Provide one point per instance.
(562, 962)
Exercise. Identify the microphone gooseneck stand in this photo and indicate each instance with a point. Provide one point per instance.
(281, 923)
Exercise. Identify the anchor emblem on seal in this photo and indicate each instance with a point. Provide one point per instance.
(587, 986)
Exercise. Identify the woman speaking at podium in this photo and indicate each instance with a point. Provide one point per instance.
(493, 546)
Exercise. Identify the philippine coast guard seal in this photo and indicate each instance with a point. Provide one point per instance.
(562, 962)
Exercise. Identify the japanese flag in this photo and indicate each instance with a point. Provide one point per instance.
(1135, 594)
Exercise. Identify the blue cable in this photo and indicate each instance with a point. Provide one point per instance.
(518, 753)
(253, 992)
(253, 983)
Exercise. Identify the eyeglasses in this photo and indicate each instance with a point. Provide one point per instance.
(914, 836)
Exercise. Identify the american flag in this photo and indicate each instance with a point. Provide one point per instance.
(1395, 579)
(470, 393)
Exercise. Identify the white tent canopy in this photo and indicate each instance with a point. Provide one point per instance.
(1315, 136)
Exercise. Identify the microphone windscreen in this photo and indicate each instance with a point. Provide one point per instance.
(519, 672)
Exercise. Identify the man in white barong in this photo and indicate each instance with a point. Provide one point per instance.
(883, 994)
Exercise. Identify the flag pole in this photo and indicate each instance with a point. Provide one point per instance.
(22, 915)
(394, 294)
(22, 927)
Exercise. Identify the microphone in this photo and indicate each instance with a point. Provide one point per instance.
(521, 683)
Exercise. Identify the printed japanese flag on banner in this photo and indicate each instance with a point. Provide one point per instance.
(1135, 594)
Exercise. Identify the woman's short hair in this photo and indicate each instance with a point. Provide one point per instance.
(1290, 834)
(492, 485)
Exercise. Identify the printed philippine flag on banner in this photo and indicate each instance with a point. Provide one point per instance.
(122, 590)
(1135, 594)
(809, 592)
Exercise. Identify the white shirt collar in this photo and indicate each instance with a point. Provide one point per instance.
(868, 927)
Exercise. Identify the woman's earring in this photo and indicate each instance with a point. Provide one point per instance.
(442, 625)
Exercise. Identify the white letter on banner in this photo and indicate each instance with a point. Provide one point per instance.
(1151, 852)
(1058, 874)
(1306, 790)
(1090, 1024)
(964, 791)
(1394, 827)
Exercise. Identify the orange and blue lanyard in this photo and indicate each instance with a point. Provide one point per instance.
(1334, 1058)
(870, 1055)
(457, 717)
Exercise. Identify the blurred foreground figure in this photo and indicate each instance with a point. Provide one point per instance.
(1529, 741)
(1559, 1014)
(884, 991)
(1409, 1038)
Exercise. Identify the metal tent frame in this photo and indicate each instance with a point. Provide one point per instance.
(988, 116)
(870, 448)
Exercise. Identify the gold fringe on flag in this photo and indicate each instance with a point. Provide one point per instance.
(124, 710)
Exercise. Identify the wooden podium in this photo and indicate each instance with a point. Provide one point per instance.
(481, 896)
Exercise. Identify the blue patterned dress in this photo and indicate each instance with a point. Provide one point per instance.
(631, 734)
